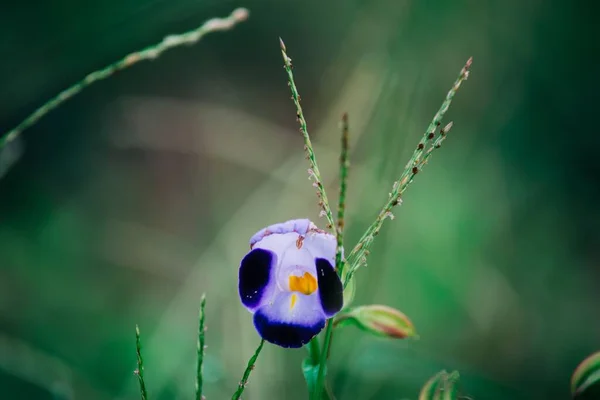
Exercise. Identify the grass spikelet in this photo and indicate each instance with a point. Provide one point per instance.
(426, 146)
(313, 172)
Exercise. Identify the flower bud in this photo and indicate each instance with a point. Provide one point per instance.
(379, 320)
(586, 375)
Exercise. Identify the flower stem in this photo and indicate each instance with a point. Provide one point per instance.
(201, 330)
(249, 369)
(149, 53)
(140, 364)
(310, 154)
(314, 350)
(323, 362)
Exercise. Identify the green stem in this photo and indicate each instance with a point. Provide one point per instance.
(323, 362)
(149, 53)
(420, 156)
(140, 364)
(314, 350)
(249, 369)
(201, 330)
(310, 154)
(339, 265)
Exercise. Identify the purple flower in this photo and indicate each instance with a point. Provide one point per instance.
(288, 281)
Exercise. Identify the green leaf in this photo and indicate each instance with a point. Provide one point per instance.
(586, 375)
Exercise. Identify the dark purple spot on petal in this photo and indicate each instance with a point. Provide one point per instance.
(255, 271)
(286, 335)
(331, 291)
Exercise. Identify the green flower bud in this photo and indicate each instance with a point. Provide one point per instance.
(379, 320)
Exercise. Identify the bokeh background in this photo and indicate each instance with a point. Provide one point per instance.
(132, 199)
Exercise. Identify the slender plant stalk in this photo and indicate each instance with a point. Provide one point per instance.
(428, 143)
(249, 369)
(201, 347)
(314, 350)
(149, 53)
(313, 172)
(339, 233)
(323, 362)
(344, 165)
(140, 364)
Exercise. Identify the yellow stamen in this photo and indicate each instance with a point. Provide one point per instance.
(293, 301)
(305, 284)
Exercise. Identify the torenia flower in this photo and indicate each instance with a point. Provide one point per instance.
(288, 281)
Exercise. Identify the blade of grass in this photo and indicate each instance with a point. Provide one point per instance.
(149, 53)
(313, 172)
(249, 369)
(140, 364)
(420, 156)
(201, 348)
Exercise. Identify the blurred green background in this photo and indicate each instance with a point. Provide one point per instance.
(141, 193)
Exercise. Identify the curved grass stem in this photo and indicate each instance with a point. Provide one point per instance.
(149, 53)
(249, 369)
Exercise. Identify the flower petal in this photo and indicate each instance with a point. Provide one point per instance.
(256, 279)
(299, 226)
(277, 243)
(291, 320)
(331, 290)
(321, 245)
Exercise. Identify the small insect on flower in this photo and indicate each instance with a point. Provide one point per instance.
(288, 281)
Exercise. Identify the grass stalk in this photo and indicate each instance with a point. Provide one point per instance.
(201, 348)
(140, 364)
(428, 143)
(339, 233)
(344, 165)
(249, 369)
(149, 53)
(313, 171)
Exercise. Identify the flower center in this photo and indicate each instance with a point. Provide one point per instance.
(305, 284)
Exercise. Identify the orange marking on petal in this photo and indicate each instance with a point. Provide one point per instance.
(305, 284)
